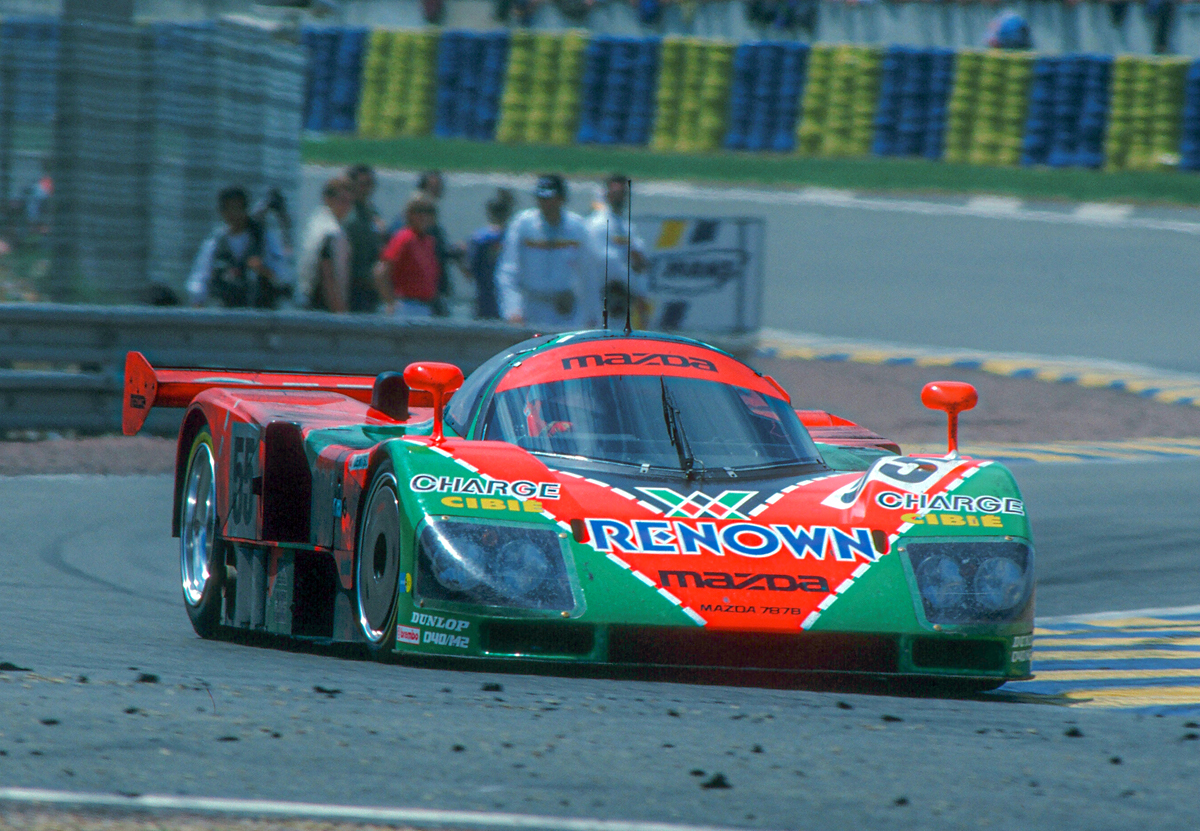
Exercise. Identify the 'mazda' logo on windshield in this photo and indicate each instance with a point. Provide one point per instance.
(638, 358)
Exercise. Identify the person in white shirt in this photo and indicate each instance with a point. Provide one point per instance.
(242, 264)
(323, 268)
(610, 218)
(544, 272)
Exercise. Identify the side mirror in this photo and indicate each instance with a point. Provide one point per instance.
(437, 379)
(953, 397)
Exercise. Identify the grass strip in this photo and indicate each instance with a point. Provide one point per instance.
(860, 174)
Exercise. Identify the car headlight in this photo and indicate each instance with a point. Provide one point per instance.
(457, 567)
(941, 581)
(487, 563)
(981, 581)
(521, 567)
(999, 584)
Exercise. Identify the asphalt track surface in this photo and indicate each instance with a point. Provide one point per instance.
(89, 604)
(107, 690)
(1103, 281)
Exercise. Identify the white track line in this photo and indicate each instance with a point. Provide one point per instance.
(998, 205)
(1005, 208)
(1104, 211)
(350, 813)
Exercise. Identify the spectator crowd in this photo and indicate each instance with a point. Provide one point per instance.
(778, 14)
(545, 266)
(802, 15)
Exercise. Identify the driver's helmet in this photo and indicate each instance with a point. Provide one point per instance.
(558, 407)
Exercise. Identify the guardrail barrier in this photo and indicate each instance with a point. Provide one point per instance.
(64, 363)
(61, 366)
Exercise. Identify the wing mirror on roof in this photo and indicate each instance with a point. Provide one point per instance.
(953, 397)
(438, 380)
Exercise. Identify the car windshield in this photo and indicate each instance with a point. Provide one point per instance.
(668, 422)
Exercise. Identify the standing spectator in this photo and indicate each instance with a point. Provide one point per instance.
(408, 272)
(521, 11)
(242, 263)
(364, 229)
(324, 266)
(1008, 30)
(37, 203)
(609, 225)
(543, 268)
(432, 184)
(483, 253)
(1160, 14)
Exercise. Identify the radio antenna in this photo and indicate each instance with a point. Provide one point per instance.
(604, 290)
(628, 252)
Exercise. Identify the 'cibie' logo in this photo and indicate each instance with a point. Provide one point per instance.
(638, 358)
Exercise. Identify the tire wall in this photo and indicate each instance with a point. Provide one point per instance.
(764, 101)
(693, 94)
(1147, 112)
(541, 98)
(688, 95)
(398, 84)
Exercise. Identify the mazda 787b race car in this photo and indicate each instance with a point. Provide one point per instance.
(633, 500)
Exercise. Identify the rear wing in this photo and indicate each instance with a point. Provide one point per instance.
(147, 387)
(830, 429)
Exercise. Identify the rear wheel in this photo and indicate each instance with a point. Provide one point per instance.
(377, 563)
(201, 560)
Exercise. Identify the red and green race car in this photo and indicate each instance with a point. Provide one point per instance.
(635, 500)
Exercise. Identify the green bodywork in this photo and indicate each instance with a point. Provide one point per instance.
(883, 601)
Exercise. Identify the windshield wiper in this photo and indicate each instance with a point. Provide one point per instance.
(687, 460)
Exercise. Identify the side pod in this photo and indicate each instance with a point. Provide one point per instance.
(286, 484)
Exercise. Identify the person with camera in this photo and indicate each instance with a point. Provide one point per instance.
(242, 265)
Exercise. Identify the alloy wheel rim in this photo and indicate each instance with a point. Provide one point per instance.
(199, 525)
(375, 587)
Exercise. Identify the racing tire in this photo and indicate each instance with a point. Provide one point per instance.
(201, 552)
(377, 564)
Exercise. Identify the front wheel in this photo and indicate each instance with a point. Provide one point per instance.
(377, 563)
(201, 564)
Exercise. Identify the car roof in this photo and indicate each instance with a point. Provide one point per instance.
(605, 352)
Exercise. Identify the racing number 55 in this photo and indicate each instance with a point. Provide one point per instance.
(243, 459)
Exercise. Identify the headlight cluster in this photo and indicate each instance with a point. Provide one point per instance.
(972, 582)
(493, 564)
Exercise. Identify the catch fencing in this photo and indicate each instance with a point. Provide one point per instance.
(63, 365)
(139, 126)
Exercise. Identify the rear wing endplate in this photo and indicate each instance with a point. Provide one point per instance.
(147, 386)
